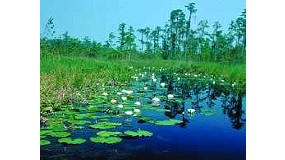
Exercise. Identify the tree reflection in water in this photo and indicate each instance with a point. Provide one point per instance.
(202, 95)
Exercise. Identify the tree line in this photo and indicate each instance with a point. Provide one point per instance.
(177, 39)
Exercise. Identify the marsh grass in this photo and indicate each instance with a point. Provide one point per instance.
(71, 79)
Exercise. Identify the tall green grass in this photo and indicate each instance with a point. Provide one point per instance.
(63, 77)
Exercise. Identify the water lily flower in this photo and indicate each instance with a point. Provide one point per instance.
(170, 96)
(162, 84)
(124, 98)
(145, 88)
(195, 75)
(124, 91)
(156, 99)
(137, 110)
(222, 80)
(113, 101)
(120, 106)
(233, 84)
(129, 113)
(191, 111)
(178, 78)
(119, 93)
(214, 82)
(154, 80)
(129, 92)
(105, 94)
(138, 103)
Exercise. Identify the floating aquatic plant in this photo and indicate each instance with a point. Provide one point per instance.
(59, 134)
(138, 133)
(107, 140)
(82, 122)
(45, 132)
(108, 133)
(44, 142)
(72, 141)
(105, 125)
(167, 122)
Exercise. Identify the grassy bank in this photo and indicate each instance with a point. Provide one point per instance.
(63, 78)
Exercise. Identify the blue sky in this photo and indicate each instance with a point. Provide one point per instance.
(97, 18)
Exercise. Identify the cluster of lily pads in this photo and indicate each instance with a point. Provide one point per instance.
(149, 92)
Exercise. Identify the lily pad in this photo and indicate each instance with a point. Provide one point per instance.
(45, 132)
(59, 134)
(107, 140)
(167, 122)
(108, 134)
(138, 133)
(45, 142)
(82, 122)
(72, 141)
(105, 125)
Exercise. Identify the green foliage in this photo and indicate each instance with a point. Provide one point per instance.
(107, 140)
(138, 133)
(167, 122)
(108, 134)
(44, 142)
(72, 141)
(59, 134)
(105, 125)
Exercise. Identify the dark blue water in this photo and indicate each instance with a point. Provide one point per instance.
(219, 135)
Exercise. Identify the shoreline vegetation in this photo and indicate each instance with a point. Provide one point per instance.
(73, 69)
(67, 79)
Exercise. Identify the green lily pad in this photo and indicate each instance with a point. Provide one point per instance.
(108, 134)
(59, 134)
(82, 122)
(167, 122)
(45, 142)
(105, 125)
(44, 132)
(138, 133)
(72, 141)
(80, 116)
(144, 133)
(131, 133)
(107, 140)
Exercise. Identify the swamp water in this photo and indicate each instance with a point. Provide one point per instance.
(161, 116)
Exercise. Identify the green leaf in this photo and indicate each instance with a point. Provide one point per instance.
(167, 122)
(107, 140)
(44, 142)
(105, 125)
(72, 141)
(59, 134)
(108, 134)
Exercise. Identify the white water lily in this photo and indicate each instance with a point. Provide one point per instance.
(124, 98)
(222, 80)
(119, 93)
(105, 94)
(156, 99)
(137, 110)
(129, 113)
(178, 78)
(145, 88)
(154, 80)
(170, 96)
(138, 103)
(113, 101)
(233, 84)
(129, 92)
(120, 106)
(214, 82)
(124, 91)
(162, 84)
(191, 111)
(195, 75)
